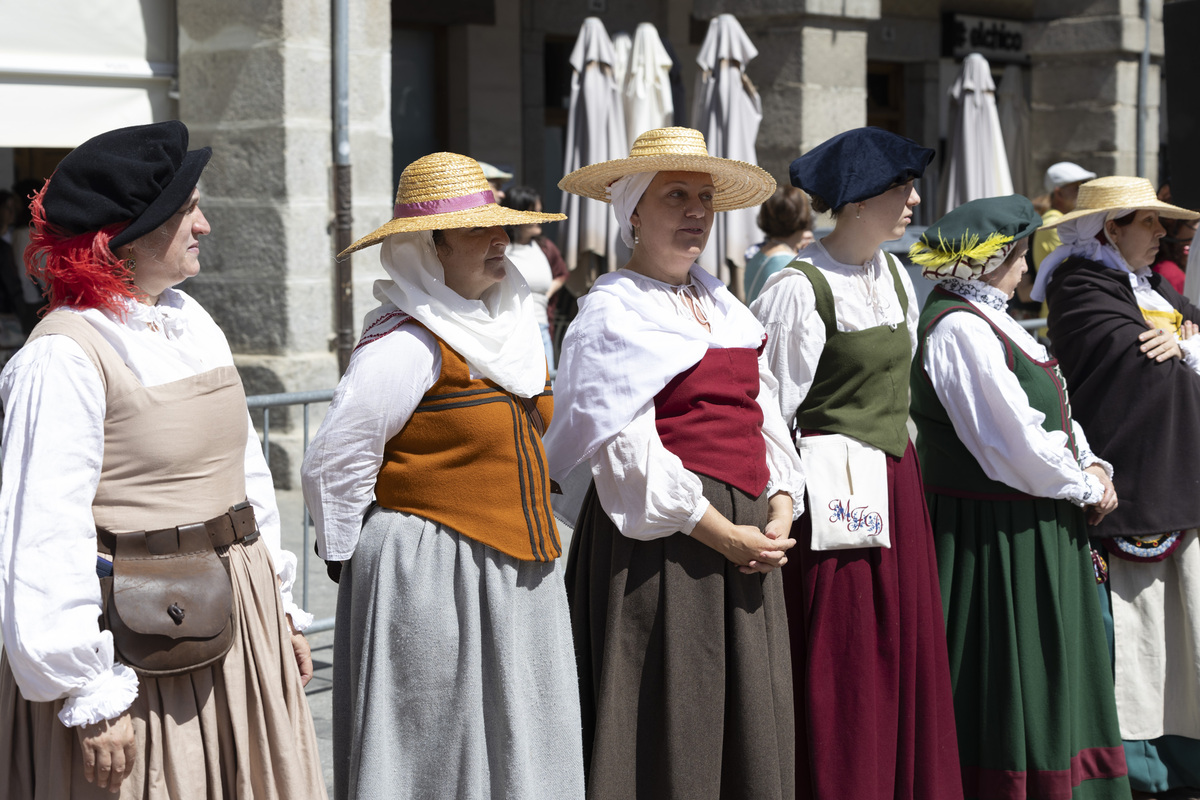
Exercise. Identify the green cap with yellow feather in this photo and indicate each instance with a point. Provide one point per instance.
(975, 238)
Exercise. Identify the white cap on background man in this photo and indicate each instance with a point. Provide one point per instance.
(1065, 172)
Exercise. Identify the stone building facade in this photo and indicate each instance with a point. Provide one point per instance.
(490, 78)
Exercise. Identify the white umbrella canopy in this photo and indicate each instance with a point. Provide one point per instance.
(595, 132)
(977, 164)
(728, 111)
(1013, 110)
(622, 44)
(648, 101)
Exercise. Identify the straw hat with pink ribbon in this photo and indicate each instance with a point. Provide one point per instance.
(442, 191)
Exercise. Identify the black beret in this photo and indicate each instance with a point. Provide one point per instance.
(858, 164)
(144, 173)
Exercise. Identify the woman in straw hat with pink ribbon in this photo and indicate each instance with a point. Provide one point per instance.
(1125, 340)
(428, 484)
(676, 598)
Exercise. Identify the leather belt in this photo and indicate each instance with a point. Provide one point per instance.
(235, 525)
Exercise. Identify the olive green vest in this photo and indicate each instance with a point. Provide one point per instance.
(861, 385)
(946, 465)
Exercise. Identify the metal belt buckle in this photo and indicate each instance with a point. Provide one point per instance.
(245, 527)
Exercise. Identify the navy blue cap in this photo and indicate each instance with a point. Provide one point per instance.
(857, 164)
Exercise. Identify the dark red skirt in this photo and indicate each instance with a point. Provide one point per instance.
(874, 709)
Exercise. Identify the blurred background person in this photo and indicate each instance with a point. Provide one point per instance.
(537, 259)
(786, 219)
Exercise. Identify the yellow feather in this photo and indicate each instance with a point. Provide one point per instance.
(968, 248)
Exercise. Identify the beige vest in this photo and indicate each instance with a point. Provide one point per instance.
(174, 454)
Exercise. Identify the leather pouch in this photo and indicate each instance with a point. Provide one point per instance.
(169, 606)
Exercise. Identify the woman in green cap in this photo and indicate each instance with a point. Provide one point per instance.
(1011, 486)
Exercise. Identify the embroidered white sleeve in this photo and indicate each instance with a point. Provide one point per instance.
(783, 462)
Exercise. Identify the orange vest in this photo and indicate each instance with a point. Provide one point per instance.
(470, 458)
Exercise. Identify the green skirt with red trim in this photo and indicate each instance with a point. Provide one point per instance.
(1029, 666)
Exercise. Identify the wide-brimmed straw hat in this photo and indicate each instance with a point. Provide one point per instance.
(737, 183)
(442, 191)
(1116, 192)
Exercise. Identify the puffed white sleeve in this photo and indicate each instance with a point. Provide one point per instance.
(260, 491)
(643, 487)
(783, 462)
(795, 340)
(383, 384)
(991, 415)
(53, 450)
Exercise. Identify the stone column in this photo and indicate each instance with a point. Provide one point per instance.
(1085, 71)
(811, 70)
(254, 83)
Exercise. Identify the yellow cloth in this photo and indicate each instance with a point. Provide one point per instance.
(1045, 241)
(1166, 320)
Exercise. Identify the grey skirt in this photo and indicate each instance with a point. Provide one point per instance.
(454, 670)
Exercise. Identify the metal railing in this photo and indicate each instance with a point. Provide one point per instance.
(266, 402)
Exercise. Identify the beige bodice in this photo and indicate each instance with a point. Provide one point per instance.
(174, 453)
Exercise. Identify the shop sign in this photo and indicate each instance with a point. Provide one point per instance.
(995, 39)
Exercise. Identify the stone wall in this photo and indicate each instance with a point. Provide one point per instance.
(254, 83)
(1085, 63)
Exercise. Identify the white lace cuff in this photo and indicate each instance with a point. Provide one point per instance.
(106, 697)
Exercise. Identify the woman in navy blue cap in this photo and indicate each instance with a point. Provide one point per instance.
(874, 712)
(151, 645)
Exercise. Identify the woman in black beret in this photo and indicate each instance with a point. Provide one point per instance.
(151, 645)
(874, 713)
(1009, 477)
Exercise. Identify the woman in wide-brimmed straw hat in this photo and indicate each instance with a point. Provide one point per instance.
(1125, 340)
(1011, 484)
(676, 599)
(136, 492)
(428, 486)
(868, 653)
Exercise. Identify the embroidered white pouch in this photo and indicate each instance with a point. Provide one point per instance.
(846, 484)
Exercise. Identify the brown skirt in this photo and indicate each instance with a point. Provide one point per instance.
(239, 729)
(684, 664)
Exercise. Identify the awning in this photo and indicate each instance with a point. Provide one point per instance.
(69, 70)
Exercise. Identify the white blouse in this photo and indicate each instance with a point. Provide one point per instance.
(643, 486)
(864, 297)
(51, 592)
(990, 411)
(383, 385)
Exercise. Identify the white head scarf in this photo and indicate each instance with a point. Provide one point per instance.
(1079, 239)
(498, 334)
(625, 193)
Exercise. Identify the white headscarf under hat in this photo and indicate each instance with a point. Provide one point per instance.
(624, 194)
(1079, 239)
(498, 334)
